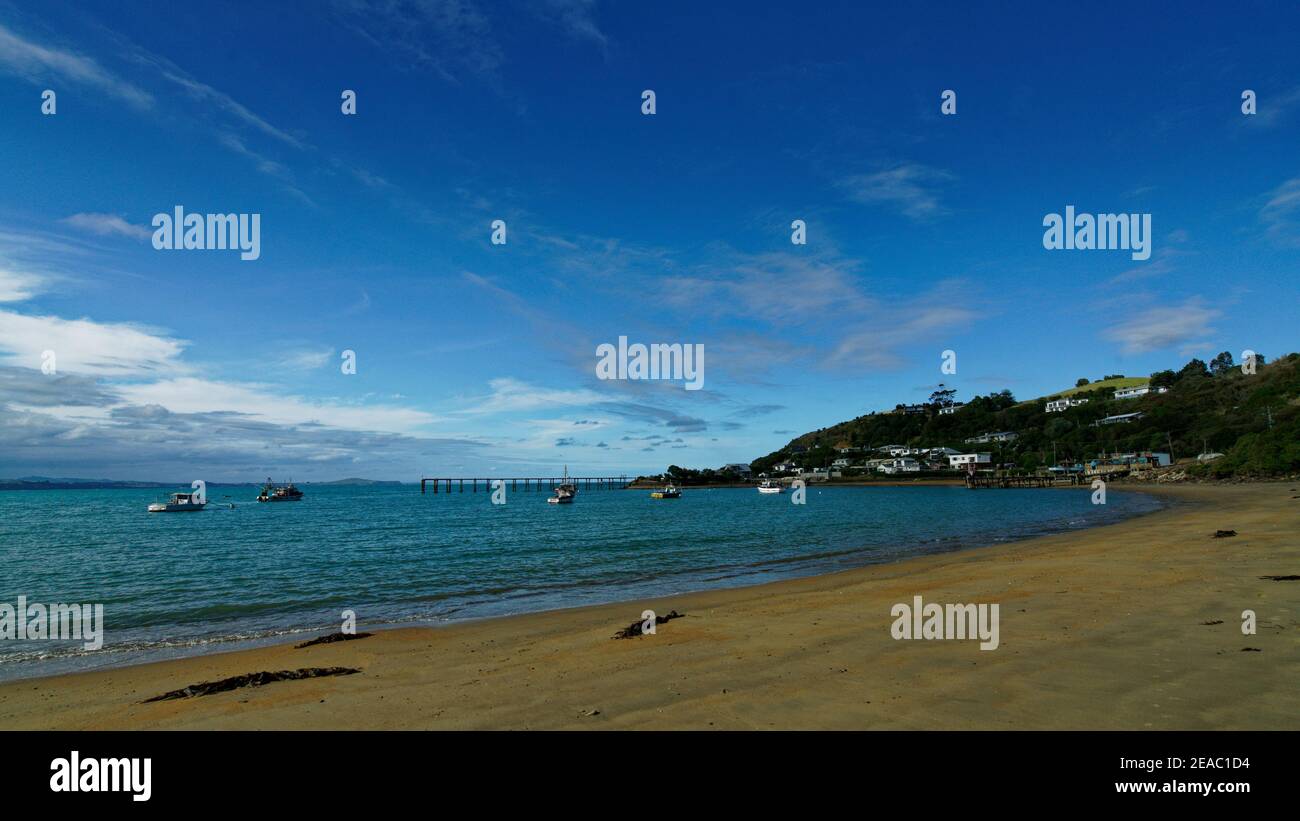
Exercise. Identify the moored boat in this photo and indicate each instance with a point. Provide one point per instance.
(272, 492)
(180, 503)
(768, 486)
(565, 491)
(670, 491)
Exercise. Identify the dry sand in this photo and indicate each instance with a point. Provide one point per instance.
(1104, 628)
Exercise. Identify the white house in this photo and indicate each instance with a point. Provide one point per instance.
(961, 460)
(1061, 404)
(1000, 436)
(785, 467)
(1119, 419)
(1137, 390)
(904, 465)
(941, 453)
(953, 408)
(841, 463)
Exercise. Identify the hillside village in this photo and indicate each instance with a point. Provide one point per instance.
(1208, 420)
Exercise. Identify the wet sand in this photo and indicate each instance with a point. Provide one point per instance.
(1103, 628)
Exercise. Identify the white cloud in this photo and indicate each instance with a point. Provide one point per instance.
(16, 286)
(510, 395)
(577, 19)
(1281, 214)
(205, 93)
(40, 64)
(780, 288)
(876, 344)
(1164, 327)
(909, 187)
(305, 360)
(107, 225)
(267, 403)
(86, 346)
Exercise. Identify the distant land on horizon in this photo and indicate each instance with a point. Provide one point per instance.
(47, 483)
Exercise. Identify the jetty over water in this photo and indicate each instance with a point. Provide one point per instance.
(976, 482)
(529, 482)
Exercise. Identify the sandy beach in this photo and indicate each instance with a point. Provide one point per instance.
(1109, 628)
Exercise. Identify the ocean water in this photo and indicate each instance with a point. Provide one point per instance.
(185, 583)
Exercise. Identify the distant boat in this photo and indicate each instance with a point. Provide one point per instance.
(272, 492)
(768, 486)
(179, 503)
(565, 491)
(670, 491)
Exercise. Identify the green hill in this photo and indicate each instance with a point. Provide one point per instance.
(1253, 419)
(1105, 384)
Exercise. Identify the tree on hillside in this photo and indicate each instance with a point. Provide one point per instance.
(1194, 368)
(943, 397)
(1221, 364)
(1163, 379)
(1083, 380)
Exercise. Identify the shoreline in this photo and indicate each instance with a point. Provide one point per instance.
(807, 652)
(179, 648)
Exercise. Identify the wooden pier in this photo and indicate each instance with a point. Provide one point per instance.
(530, 482)
(977, 482)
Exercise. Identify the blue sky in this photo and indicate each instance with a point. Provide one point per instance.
(924, 230)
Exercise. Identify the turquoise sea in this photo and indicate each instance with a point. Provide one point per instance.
(184, 583)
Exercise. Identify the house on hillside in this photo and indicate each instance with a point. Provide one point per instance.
(904, 465)
(941, 453)
(1137, 390)
(842, 462)
(999, 436)
(953, 408)
(1061, 404)
(961, 460)
(1119, 419)
(785, 467)
(739, 468)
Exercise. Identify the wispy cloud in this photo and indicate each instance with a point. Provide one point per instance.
(1164, 327)
(107, 225)
(577, 18)
(17, 286)
(207, 95)
(88, 347)
(910, 188)
(1281, 213)
(41, 64)
(453, 38)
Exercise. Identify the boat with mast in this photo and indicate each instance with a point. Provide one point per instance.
(272, 492)
(565, 491)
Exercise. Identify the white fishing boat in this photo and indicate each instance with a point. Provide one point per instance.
(768, 486)
(179, 503)
(565, 491)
